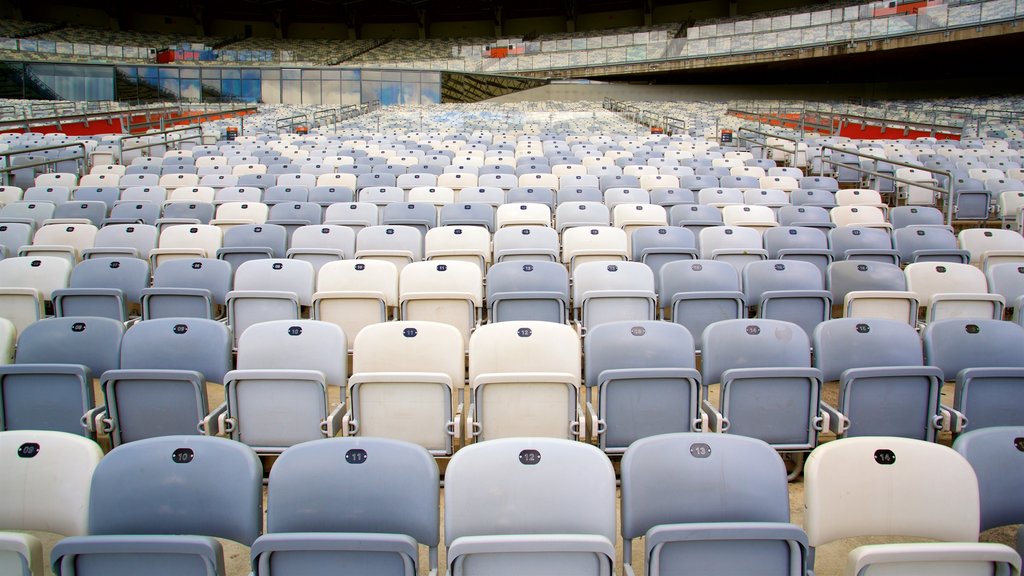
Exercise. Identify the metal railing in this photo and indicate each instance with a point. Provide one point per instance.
(164, 121)
(947, 192)
(169, 143)
(28, 122)
(791, 152)
(7, 159)
(290, 122)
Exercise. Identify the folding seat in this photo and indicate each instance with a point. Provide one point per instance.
(798, 243)
(55, 195)
(642, 380)
(656, 246)
(632, 217)
(231, 214)
(759, 218)
(532, 194)
(608, 181)
(616, 196)
(174, 213)
(698, 293)
(698, 182)
(899, 488)
(524, 380)
(928, 244)
(399, 245)
(593, 243)
(527, 290)
(293, 215)
(27, 284)
(246, 242)
(186, 241)
(191, 194)
(990, 246)
(1007, 280)
(951, 290)
(525, 243)
(178, 180)
(243, 170)
(63, 240)
(903, 216)
(381, 195)
(419, 215)
(109, 287)
(745, 172)
(279, 394)
(486, 194)
(578, 180)
(695, 217)
(49, 387)
(169, 368)
(449, 292)
(154, 194)
(723, 509)
(885, 389)
(505, 181)
(14, 235)
(269, 289)
(458, 180)
(671, 196)
(319, 244)
(467, 214)
(46, 477)
(578, 194)
(792, 291)
(407, 384)
(158, 505)
(982, 357)
(256, 180)
(871, 290)
(522, 214)
(466, 243)
(354, 294)
(813, 197)
(862, 243)
(10, 194)
(285, 193)
(994, 455)
(860, 216)
(569, 214)
(736, 245)
(767, 388)
(188, 288)
(612, 291)
(637, 170)
(490, 529)
(719, 197)
(355, 215)
(390, 504)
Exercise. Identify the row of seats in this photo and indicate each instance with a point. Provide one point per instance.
(624, 381)
(701, 503)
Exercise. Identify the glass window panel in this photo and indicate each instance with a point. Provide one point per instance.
(331, 90)
(270, 74)
(271, 90)
(370, 89)
(251, 90)
(190, 73)
(291, 74)
(430, 93)
(310, 75)
(250, 73)
(191, 90)
(331, 74)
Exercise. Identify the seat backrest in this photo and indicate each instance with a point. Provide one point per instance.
(272, 236)
(778, 275)
(360, 485)
(996, 456)
(977, 241)
(195, 485)
(642, 344)
(325, 236)
(277, 274)
(886, 486)
(797, 215)
(912, 238)
(296, 345)
(846, 276)
(696, 478)
(844, 343)
(130, 275)
(208, 273)
(410, 346)
(696, 276)
(360, 276)
(527, 346)
(902, 216)
(846, 238)
(395, 237)
(752, 343)
(793, 238)
(517, 486)
(527, 290)
(728, 238)
(202, 236)
(930, 278)
(91, 341)
(956, 343)
(179, 344)
(46, 477)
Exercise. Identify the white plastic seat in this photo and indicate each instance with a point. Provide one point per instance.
(447, 292)
(951, 290)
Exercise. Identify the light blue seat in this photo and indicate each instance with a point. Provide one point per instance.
(160, 389)
(885, 389)
(388, 505)
(698, 293)
(105, 287)
(789, 290)
(709, 504)
(247, 242)
(996, 456)
(157, 507)
(188, 288)
(656, 246)
(605, 291)
(916, 243)
(527, 290)
(642, 381)
(510, 511)
(798, 243)
(49, 387)
(982, 357)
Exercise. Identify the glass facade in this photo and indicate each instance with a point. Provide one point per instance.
(327, 86)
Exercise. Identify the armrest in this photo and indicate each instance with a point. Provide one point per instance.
(530, 543)
(852, 253)
(332, 425)
(952, 419)
(805, 252)
(96, 420)
(267, 544)
(64, 555)
(27, 547)
(716, 421)
(932, 553)
(833, 419)
(212, 424)
(691, 252)
(996, 300)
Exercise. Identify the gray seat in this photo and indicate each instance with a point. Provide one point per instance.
(767, 387)
(642, 381)
(526, 243)
(132, 240)
(50, 385)
(247, 242)
(166, 368)
(95, 211)
(695, 217)
(1007, 280)
(105, 287)
(187, 212)
(327, 195)
(862, 243)
(468, 214)
(158, 505)
(279, 194)
(538, 195)
(698, 293)
(419, 215)
(578, 194)
(806, 216)
(669, 196)
(322, 243)
(885, 389)
(903, 216)
(798, 243)
(787, 290)
(374, 525)
(709, 504)
(916, 243)
(995, 455)
(509, 510)
(188, 288)
(14, 235)
(982, 357)
(27, 212)
(527, 290)
(132, 211)
(605, 291)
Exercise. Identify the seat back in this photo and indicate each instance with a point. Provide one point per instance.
(525, 243)
(995, 455)
(46, 477)
(295, 344)
(612, 291)
(532, 290)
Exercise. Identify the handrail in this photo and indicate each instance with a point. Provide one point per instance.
(283, 122)
(5, 155)
(27, 122)
(197, 119)
(947, 191)
(792, 153)
(121, 147)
